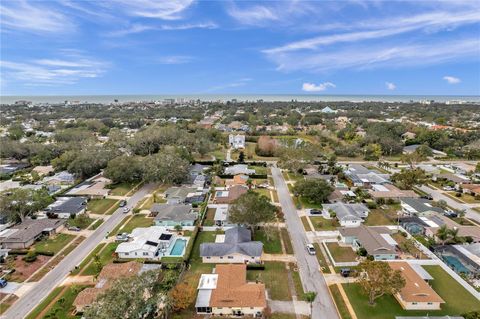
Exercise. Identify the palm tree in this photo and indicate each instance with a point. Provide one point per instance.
(443, 233)
(310, 298)
(453, 233)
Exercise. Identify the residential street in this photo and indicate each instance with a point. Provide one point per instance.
(308, 266)
(437, 195)
(42, 289)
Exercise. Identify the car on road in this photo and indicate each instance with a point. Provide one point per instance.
(3, 282)
(74, 228)
(427, 196)
(315, 211)
(310, 249)
(122, 203)
(126, 209)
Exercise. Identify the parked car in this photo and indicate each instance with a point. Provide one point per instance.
(126, 209)
(427, 196)
(310, 249)
(122, 203)
(121, 237)
(74, 228)
(3, 282)
(448, 188)
(315, 211)
(345, 272)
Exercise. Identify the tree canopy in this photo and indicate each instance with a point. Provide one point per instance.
(252, 209)
(314, 190)
(19, 203)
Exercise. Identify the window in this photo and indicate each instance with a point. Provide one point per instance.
(230, 257)
(209, 257)
(145, 254)
(414, 303)
(221, 257)
(126, 254)
(429, 303)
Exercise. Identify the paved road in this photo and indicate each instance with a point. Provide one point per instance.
(42, 289)
(308, 266)
(438, 195)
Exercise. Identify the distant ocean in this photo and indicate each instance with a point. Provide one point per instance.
(239, 97)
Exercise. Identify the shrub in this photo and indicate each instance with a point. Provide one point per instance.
(362, 252)
(30, 257)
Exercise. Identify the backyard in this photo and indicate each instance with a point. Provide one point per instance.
(377, 217)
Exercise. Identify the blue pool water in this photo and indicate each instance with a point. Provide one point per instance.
(456, 264)
(178, 247)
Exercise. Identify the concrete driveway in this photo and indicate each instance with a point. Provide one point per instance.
(10, 288)
(312, 278)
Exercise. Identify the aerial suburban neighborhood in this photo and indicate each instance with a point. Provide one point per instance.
(245, 221)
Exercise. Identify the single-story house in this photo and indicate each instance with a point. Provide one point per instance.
(239, 169)
(230, 195)
(227, 293)
(455, 178)
(43, 170)
(472, 189)
(23, 235)
(436, 221)
(174, 214)
(105, 280)
(412, 148)
(66, 207)
(349, 215)
(376, 241)
(239, 179)
(150, 243)
(184, 194)
(60, 178)
(367, 179)
(94, 187)
(419, 207)
(237, 247)
(390, 191)
(416, 294)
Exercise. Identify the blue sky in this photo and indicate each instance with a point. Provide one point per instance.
(69, 47)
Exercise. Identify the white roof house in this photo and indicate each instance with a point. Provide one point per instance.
(236, 141)
(239, 169)
(148, 242)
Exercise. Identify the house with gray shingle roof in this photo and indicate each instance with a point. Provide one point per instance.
(376, 240)
(173, 214)
(349, 215)
(419, 207)
(237, 247)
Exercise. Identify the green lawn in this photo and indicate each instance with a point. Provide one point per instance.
(106, 256)
(264, 192)
(320, 223)
(457, 299)
(341, 306)
(321, 259)
(377, 217)
(297, 282)
(88, 259)
(122, 189)
(259, 170)
(341, 254)
(275, 279)
(307, 204)
(116, 230)
(63, 307)
(54, 243)
(135, 222)
(287, 242)
(271, 244)
(36, 312)
(81, 221)
(101, 206)
(96, 224)
(208, 221)
(305, 223)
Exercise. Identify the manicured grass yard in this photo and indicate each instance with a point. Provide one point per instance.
(271, 244)
(106, 256)
(259, 170)
(101, 206)
(320, 223)
(135, 222)
(457, 299)
(341, 254)
(122, 189)
(307, 204)
(264, 192)
(88, 259)
(54, 243)
(81, 222)
(116, 230)
(297, 281)
(341, 306)
(209, 217)
(275, 279)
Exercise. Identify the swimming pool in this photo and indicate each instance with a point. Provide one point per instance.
(456, 264)
(178, 247)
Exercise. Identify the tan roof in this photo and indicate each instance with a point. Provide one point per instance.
(475, 188)
(393, 192)
(107, 276)
(43, 170)
(416, 289)
(234, 192)
(234, 291)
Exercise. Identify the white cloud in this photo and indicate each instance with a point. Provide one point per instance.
(20, 15)
(311, 87)
(175, 59)
(253, 15)
(451, 79)
(390, 86)
(138, 28)
(165, 10)
(67, 69)
(384, 54)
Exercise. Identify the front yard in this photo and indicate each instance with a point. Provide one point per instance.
(102, 206)
(54, 243)
(457, 299)
(341, 254)
(271, 243)
(106, 255)
(275, 279)
(122, 189)
(320, 223)
(136, 221)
